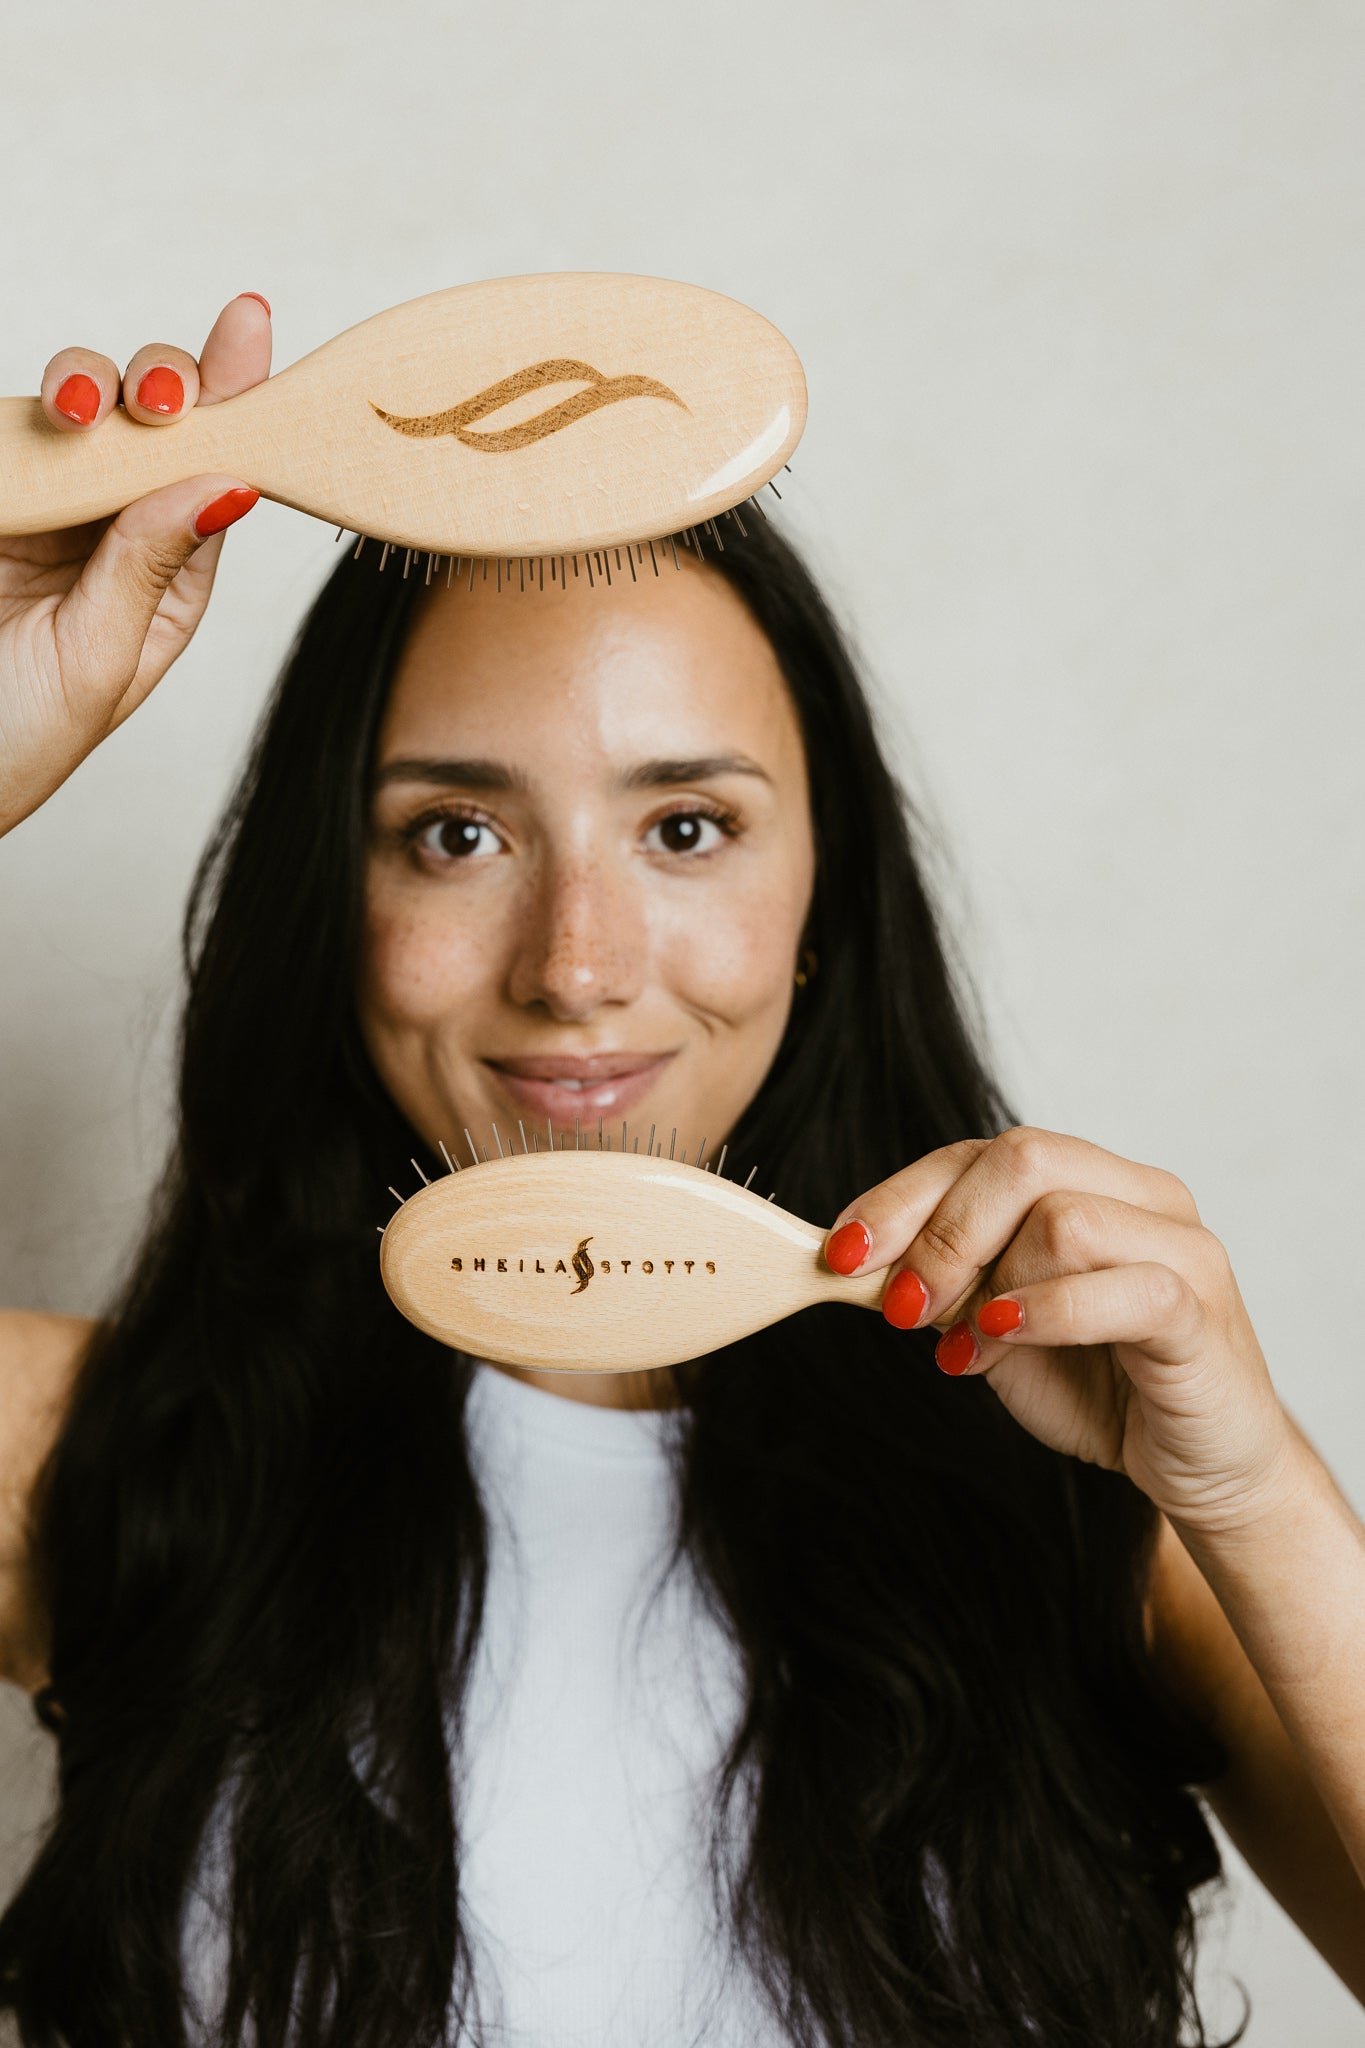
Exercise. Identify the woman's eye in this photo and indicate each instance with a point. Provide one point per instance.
(685, 832)
(458, 838)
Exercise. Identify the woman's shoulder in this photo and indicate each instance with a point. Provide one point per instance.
(39, 1357)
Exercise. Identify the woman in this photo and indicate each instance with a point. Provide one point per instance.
(326, 1618)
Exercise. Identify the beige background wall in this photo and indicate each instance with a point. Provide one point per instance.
(1079, 290)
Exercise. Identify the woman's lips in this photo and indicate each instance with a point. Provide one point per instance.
(608, 1084)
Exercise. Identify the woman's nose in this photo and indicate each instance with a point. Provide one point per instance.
(584, 943)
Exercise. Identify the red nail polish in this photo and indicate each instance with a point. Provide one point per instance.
(848, 1247)
(257, 297)
(161, 390)
(905, 1300)
(956, 1349)
(77, 398)
(997, 1318)
(221, 512)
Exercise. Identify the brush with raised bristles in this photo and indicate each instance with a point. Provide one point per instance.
(578, 1252)
(573, 425)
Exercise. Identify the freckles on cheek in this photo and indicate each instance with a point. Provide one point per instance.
(739, 965)
(410, 969)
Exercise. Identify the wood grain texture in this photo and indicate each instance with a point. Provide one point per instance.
(681, 403)
(601, 1262)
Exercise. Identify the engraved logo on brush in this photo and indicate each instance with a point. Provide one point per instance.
(579, 1263)
(582, 1264)
(459, 419)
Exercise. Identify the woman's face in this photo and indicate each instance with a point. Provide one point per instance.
(590, 865)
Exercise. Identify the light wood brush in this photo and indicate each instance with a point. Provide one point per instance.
(588, 1257)
(520, 418)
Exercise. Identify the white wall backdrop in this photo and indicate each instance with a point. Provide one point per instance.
(1080, 296)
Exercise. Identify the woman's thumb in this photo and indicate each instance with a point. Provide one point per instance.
(103, 621)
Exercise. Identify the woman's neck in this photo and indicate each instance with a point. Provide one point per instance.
(653, 1389)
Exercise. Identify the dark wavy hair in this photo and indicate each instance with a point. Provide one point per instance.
(260, 1541)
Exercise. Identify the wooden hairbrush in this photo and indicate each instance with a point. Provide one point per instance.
(515, 418)
(574, 1259)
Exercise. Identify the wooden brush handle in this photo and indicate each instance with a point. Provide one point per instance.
(52, 479)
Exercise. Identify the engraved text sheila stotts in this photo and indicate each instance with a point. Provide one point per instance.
(578, 1264)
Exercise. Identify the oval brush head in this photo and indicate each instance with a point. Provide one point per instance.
(601, 1261)
(519, 417)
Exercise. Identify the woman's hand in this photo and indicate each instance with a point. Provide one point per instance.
(1109, 1324)
(92, 617)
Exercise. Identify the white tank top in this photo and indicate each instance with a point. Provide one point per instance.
(593, 1730)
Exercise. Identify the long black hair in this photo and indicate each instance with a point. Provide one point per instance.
(260, 1542)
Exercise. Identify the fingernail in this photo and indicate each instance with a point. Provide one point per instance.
(161, 390)
(956, 1349)
(997, 1318)
(848, 1247)
(257, 297)
(77, 398)
(905, 1300)
(221, 512)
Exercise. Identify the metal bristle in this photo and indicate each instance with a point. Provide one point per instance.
(473, 1149)
(752, 1171)
(522, 1128)
(630, 558)
(549, 1125)
(420, 1175)
(340, 531)
(498, 1142)
(649, 1148)
(677, 564)
(734, 514)
(720, 1163)
(407, 562)
(773, 488)
(450, 572)
(701, 1153)
(599, 1134)
(577, 1135)
(358, 546)
(672, 1143)
(447, 1158)
(400, 1199)
(472, 566)
(715, 535)
(383, 559)
(653, 558)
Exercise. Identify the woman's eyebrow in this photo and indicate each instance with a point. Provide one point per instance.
(472, 774)
(664, 773)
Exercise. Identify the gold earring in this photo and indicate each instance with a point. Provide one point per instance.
(809, 963)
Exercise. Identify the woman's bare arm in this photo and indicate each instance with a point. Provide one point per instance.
(1266, 1800)
(39, 1357)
